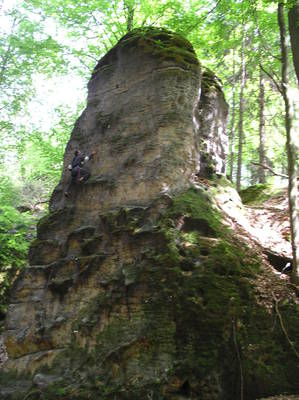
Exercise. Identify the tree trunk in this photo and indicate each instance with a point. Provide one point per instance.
(241, 112)
(130, 10)
(232, 129)
(262, 149)
(294, 34)
(290, 144)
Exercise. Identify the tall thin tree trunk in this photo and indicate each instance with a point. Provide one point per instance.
(290, 144)
(130, 9)
(294, 35)
(232, 129)
(241, 112)
(262, 148)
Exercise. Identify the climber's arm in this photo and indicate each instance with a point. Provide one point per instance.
(87, 158)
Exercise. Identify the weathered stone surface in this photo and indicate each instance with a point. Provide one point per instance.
(150, 296)
(45, 252)
(139, 120)
(211, 114)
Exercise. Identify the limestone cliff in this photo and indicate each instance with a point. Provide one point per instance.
(137, 288)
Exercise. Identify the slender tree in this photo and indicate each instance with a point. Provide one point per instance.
(233, 111)
(290, 143)
(262, 149)
(129, 10)
(294, 35)
(241, 111)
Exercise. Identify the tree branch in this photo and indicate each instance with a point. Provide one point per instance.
(204, 17)
(270, 169)
(277, 85)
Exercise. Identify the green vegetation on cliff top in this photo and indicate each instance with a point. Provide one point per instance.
(164, 44)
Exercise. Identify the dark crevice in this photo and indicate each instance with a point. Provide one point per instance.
(278, 261)
(185, 389)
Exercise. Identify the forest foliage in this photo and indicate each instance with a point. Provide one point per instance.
(45, 41)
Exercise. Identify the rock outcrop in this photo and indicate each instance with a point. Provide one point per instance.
(137, 289)
(212, 112)
(139, 119)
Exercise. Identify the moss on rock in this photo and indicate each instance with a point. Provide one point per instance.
(209, 81)
(159, 42)
(192, 327)
(164, 44)
(259, 193)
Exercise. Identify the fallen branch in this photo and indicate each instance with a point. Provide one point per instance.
(282, 325)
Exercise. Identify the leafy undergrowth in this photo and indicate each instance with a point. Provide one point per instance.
(16, 230)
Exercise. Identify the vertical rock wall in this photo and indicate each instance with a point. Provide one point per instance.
(139, 120)
(212, 115)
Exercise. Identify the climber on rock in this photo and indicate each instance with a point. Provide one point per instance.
(78, 172)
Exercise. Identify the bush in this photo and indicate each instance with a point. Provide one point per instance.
(16, 232)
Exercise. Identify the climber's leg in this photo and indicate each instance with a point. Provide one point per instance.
(84, 175)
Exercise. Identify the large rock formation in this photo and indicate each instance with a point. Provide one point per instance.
(139, 119)
(137, 289)
(211, 113)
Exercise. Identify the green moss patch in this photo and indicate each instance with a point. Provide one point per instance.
(209, 81)
(160, 43)
(259, 193)
(163, 44)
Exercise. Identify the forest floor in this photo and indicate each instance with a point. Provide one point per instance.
(271, 225)
(265, 227)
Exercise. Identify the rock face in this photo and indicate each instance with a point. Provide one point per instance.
(136, 289)
(139, 119)
(212, 112)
